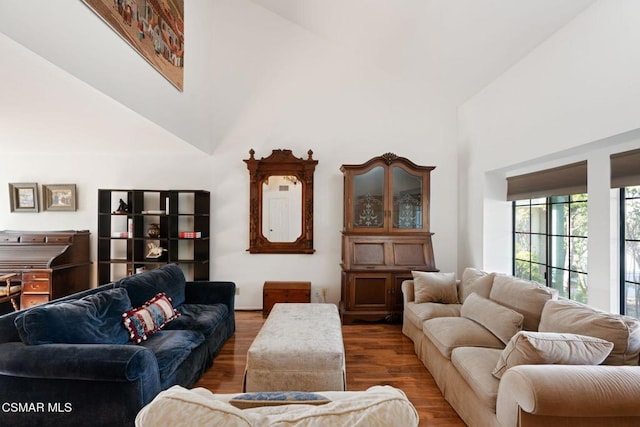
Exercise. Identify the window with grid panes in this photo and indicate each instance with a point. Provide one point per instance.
(550, 243)
(630, 251)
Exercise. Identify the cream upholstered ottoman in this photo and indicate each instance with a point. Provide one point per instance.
(299, 348)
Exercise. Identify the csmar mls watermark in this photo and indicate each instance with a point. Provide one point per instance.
(33, 407)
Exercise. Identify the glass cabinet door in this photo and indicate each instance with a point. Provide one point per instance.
(407, 193)
(368, 199)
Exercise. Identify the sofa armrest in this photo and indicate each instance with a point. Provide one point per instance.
(94, 384)
(560, 392)
(206, 292)
(408, 294)
(98, 362)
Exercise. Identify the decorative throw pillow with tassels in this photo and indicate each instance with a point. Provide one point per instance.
(153, 315)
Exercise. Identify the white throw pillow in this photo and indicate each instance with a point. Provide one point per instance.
(435, 287)
(538, 348)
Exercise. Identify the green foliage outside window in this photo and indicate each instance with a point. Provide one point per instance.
(630, 241)
(550, 243)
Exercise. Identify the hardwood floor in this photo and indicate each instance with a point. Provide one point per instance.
(375, 354)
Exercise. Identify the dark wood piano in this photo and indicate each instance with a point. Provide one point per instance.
(50, 264)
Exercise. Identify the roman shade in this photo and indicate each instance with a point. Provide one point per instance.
(625, 169)
(559, 181)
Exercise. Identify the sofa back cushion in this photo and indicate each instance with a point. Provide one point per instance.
(571, 317)
(142, 287)
(499, 320)
(94, 319)
(475, 281)
(524, 296)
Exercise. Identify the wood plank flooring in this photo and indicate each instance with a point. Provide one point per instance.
(376, 354)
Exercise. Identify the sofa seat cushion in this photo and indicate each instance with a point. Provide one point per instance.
(571, 317)
(418, 313)
(171, 348)
(447, 333)
(202, 318)
(94, 319)
(475, 365)
(524, 296)
(141, 288)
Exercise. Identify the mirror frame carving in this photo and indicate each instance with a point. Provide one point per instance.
(280, 162)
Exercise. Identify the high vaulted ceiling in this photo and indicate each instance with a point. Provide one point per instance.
(442, 52)
(458, 46)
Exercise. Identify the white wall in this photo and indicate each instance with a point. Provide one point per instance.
(569, 99)
(310, 96)
(296, 91)
(55, 129)
(70, 35)
(573, 98)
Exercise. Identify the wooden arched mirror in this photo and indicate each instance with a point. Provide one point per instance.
(281, 203)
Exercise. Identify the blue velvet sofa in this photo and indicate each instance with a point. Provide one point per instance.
(70, 362)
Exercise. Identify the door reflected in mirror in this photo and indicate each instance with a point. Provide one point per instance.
(281, 208)
(281, 203)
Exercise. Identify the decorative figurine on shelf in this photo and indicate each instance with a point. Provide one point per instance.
(153, 230)
(154, 250)
(123, 208)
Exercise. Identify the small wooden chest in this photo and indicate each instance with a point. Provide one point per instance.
(273, 292)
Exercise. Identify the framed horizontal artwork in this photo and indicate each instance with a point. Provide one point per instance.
(23, 196)
(153, 28)
(60, 197)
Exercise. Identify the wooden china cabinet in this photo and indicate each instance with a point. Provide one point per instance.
(385, 236)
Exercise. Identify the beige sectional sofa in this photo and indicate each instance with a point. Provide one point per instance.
(508, 352)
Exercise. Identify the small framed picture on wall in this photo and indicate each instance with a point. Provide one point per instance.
(23, 196)
(59, 197)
